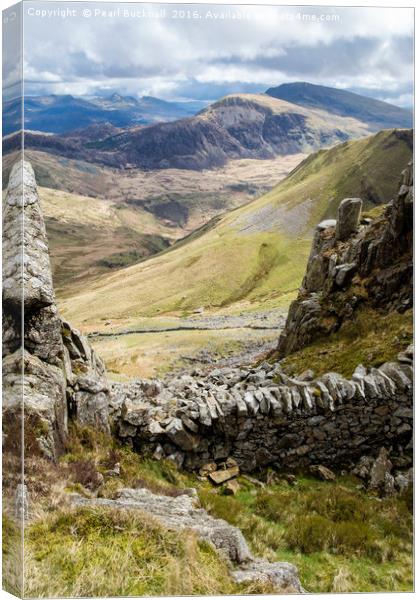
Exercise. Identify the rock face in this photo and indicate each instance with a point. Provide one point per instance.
(182, 512)
(49, 369)
(353, 264)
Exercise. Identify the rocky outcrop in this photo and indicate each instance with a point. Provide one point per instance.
(183, 512)
(260, 416)
(49, 369)
(354, 263)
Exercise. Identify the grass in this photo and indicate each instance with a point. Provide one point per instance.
(90, 236)
(371, 338)
(99, 552)
(11, 555)
(153, 354)
(340, 538)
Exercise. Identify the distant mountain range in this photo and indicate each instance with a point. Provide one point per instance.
(61, 114)
(377, 114)
(289, 119)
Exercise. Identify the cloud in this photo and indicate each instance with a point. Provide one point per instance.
(203, 58)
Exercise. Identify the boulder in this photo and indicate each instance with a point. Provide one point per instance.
(348, 218)
(380, 474)
(62, 376)
(232, 487)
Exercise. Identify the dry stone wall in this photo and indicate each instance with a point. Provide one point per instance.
(261, 417)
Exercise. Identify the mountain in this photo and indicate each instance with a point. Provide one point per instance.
(377, 114)
(63, 113)
(237, 126)
(252, 255)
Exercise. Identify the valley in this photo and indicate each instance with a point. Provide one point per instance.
(248, 257)
(248, 260)
(210, 215)
(99, 220)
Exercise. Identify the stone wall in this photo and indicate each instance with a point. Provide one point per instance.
(261, 417)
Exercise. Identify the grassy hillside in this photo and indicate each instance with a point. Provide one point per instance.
(256, 254)
(98, 220)
(89, 236)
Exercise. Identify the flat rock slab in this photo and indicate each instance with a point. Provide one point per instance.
(224, 475)
(182, 513)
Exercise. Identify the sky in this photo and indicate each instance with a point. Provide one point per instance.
(174, 53)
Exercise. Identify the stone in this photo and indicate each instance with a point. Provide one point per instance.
(208, 468)
(33, 277)
(179, 436)
(348, 218)
(363, 467)
(380, 471)
(219, 477)
(344, 273)
(322, 472)
(45, 409)
(282, 577)
(307, 375)
(92, 410)
(182, 513)
(404, 480)
(232, 487)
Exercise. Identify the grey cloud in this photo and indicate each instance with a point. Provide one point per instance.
(371, 50)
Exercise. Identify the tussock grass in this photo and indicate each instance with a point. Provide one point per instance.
(340, 538)
(11, 555)
(101, 552)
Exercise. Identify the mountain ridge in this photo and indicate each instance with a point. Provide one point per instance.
(237, 126)
(60, 114)
(377, 113)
